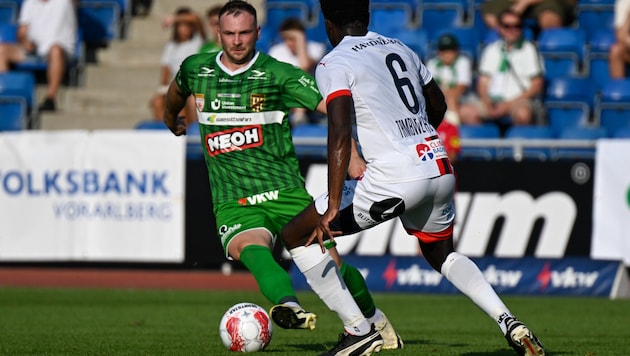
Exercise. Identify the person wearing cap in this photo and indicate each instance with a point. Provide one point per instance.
(452, 71)
(511, 79)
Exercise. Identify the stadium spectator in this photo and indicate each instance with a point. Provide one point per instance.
(47, 31)
(188, 37)
(366, 81)
(297, 50)
(258, 91)
(545, 13)
(212, 37)
(452, 71)
(619, 53)
(510, 79)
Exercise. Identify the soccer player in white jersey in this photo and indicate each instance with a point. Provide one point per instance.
(397, 106)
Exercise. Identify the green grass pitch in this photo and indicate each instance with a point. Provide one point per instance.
(39, 321)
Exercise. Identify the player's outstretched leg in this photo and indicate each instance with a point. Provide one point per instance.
(466, 276)
(520, 337)
(292, 317)
(275, 284)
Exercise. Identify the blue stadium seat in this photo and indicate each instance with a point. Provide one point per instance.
(279, 10)
(19, 84)
(310, 140)
(316, 31)
(401, 11)
(12, 113)
(531, 132)
(151, 125)
(124, 14)
(563, 51)
(9, 10)
(478, 132)
(568, 102)
(436, 16)
(8, 33)
(623, 132)
(388, 20)
(99, 21)
(579, 133)
(613, 107)
(416, 39)
(583, 133)
(600, 40)
(593, 15)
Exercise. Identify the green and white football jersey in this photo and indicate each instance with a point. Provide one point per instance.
(243, 120)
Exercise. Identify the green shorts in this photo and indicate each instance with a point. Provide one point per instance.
(269, 211)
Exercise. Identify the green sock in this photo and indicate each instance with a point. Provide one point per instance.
(273, 281)
(359, 290)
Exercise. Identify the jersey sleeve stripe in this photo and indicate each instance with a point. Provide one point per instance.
(336, 94)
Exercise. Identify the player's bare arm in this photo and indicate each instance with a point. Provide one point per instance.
(435, 102)
(339, 149)
(356, 168)
(175, 101)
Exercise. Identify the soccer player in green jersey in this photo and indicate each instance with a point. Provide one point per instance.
(243, 98)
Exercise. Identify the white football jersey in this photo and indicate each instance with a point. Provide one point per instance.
(385, 79)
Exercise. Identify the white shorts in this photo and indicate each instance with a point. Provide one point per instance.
(424, 206)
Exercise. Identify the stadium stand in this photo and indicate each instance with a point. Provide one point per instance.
(389, 19)
(623, 132)
(589, 133)
(9, 10)
(8, 33)
(310, 140)
(532, 132)
(568, 102)
(481, 151)
(99, 21)
(12, 113)
(563, 51)
(150, 125)
(612, 109)
(21, 85)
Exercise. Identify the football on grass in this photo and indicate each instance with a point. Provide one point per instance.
(246, 327)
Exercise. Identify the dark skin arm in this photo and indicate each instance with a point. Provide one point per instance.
(435, 103)
(175, 102)
(339, 151)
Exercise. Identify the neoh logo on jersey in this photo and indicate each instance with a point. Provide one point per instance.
(236, 139)
(259, 198)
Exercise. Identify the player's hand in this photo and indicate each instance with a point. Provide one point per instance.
(357, 167)
(180, 126)
(322, 231)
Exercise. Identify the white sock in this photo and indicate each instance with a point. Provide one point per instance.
(466, 276)
(323, 276)
(377, 317)
(293, 304)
